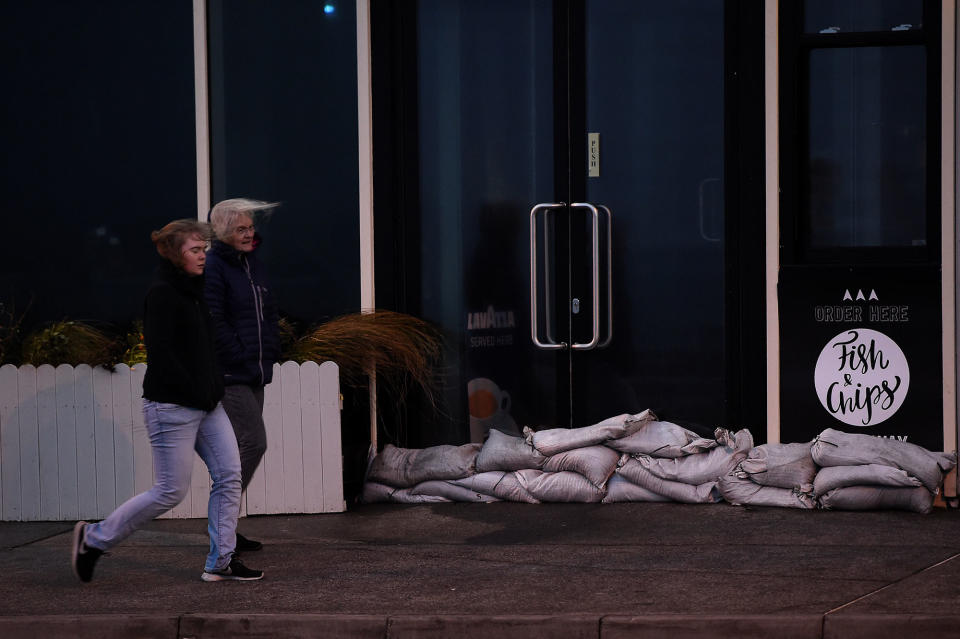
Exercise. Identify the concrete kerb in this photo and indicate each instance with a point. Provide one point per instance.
(305, 626)
(301, 626)
(697, 626)
(575, 626)
(99, 626)
(287, 626)
(847, 626)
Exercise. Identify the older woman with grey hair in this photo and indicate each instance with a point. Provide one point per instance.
(245, 320)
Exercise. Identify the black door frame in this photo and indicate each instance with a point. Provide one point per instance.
(908, 272)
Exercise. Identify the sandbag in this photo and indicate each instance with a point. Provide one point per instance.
(863, 475)
(635, 472)
(498, 483)
(404, 496)
(745, 492)
(564, 486)
(557, 440)
(596, 463)
(374, 492)
(450, 490)
(506, 452)
(662, 439)
(779, 465)
(704, 467)
(918, 500)
(619, 489)
(836, 448)
(405, 467)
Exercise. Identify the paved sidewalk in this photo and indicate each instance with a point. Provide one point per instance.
(506, 570)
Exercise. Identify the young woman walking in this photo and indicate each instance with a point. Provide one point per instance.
(182, 412)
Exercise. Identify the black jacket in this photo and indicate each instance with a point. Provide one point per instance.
(181, 362)
(244, 313)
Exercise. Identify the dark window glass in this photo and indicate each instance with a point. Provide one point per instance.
(867, 163)
(847, 16)
(283, 79)
(98, 150)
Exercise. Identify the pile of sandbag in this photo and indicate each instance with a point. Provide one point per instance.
(840, 471)
(556, 465)
(623, 458)
(666, 462)
(863, 472)
(630, 458)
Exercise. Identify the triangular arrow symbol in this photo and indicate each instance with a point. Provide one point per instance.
(873, 295)
(860, 295)
(847, 296)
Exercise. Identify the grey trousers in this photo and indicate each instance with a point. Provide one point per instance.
(244, 407)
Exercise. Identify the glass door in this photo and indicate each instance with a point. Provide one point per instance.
(653, 127)
(558, 203)
(646, 300)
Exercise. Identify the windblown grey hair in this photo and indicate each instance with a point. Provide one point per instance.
(223, 216)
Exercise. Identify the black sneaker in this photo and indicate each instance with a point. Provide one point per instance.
(247, 545)
(83, 557)
(236, 571)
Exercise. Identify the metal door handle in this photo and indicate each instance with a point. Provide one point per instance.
(609, 337)
(550, 345)
(595, 276)
(548, 303)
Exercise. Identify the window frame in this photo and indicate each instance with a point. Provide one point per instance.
(795, 48)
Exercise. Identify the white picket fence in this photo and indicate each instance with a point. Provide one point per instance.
(73, 444)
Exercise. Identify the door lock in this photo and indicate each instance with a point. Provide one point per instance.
(575, 305)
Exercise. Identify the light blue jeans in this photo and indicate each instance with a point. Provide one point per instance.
(175, 432)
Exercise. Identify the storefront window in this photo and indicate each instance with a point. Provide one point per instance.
(866, 162)
(283, 112)
(98, 150)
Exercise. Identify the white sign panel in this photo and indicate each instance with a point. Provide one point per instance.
(862, 377)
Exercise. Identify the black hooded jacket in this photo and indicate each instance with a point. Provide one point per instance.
(181, 362)
(245, 315)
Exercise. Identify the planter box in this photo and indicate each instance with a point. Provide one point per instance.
(73, 444)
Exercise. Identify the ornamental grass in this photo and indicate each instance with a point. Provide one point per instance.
(71, 342)
(400, 350)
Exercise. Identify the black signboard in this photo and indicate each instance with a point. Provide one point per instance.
(861, 352)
